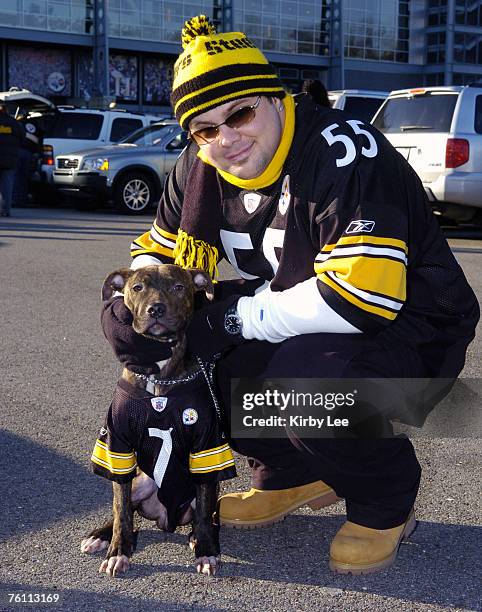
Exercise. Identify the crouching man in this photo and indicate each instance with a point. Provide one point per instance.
(346, 275)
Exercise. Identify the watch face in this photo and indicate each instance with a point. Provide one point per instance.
(232, 324)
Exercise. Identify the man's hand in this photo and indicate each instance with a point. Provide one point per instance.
(133, 350)
(207, 335)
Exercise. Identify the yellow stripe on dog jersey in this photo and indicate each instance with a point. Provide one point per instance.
(211, 460)
(116, 463)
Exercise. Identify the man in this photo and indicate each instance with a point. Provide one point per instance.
(331, 228)
(29, 154)
(11, 136)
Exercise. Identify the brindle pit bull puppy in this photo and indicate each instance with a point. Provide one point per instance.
(160, 299)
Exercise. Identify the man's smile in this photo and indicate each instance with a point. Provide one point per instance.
(240, 155)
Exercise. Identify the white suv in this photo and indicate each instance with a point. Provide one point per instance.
(439, 131)
(85, 128)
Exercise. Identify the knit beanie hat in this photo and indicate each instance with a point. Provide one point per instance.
(216, 68)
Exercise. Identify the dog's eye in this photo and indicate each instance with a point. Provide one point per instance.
(138, 287)
(178, 287)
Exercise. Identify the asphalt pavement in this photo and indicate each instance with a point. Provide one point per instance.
(57, 376)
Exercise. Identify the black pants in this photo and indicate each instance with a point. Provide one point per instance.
(378, 478)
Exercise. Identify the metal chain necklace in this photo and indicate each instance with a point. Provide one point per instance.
(209, 376)
(167, 381)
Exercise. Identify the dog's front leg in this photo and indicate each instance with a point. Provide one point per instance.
(122, 543)
(204, 539)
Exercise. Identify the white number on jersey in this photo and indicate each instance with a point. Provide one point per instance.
(242, 240)
(350, 154)
(164, 454)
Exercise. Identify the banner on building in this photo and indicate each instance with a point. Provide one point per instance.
(46, 72)
(158, 76)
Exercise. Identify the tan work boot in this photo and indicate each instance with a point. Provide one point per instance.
(257, 508)
(361, 550)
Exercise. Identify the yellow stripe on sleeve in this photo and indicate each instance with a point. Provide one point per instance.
(385, 277)
(164, 233)
(364, 239)
(211, 460)
(378, 310)
(115, 463)
(145, 244)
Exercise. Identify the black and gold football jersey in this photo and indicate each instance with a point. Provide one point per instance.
(349, 210)
(174, 439)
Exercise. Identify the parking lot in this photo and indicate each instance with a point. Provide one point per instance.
(57, 378)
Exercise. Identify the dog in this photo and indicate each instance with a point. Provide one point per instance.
(160, 299)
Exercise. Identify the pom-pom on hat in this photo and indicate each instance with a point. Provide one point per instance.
(216, 68)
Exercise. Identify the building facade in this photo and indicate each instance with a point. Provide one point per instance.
(76, 50)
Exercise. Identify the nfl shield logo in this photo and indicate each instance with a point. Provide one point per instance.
(159, 403)
(251, 201)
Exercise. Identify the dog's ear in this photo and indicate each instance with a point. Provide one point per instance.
(115, 282)
(202, 282)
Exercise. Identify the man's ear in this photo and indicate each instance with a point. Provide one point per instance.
(115, 282)
(202, 282)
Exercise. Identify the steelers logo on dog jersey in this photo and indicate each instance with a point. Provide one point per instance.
(189, 416)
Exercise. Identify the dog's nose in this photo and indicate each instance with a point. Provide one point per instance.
(156, 310)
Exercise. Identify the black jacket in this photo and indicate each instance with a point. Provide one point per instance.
(11, 137)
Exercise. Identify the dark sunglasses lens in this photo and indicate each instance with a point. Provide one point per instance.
(207, 134)
(240, 117)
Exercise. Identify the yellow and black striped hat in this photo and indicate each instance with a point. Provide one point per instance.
(216, 68)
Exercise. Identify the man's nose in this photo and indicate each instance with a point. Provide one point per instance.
(227, 136)
(156, 310)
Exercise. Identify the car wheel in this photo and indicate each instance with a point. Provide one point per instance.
(134, 193)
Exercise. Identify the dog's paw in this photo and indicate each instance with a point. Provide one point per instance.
(114, 566)
(92, 545)
(208, 565)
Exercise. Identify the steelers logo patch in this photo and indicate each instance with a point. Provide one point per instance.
(189, 416)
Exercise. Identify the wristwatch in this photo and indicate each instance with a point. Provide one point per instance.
(232, 321)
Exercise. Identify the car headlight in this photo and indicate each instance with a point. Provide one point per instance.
(97, 163)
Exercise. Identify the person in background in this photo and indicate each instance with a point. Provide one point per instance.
(11, 136)
(316, 89)
(29, 152)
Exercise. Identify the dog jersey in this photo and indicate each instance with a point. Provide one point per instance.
(174, 439)
(350, 210)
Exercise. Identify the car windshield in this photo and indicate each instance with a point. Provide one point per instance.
(430, 112)
(149, 136)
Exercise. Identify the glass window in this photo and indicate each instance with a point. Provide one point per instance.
(122, 126)
(38, 6)
(425, 113)
(178, 143)
(478, 115)
(362, 108)
(81, 126)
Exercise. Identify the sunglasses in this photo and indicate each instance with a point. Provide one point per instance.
(242, 116)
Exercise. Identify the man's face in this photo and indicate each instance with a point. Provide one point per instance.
(245, 151)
